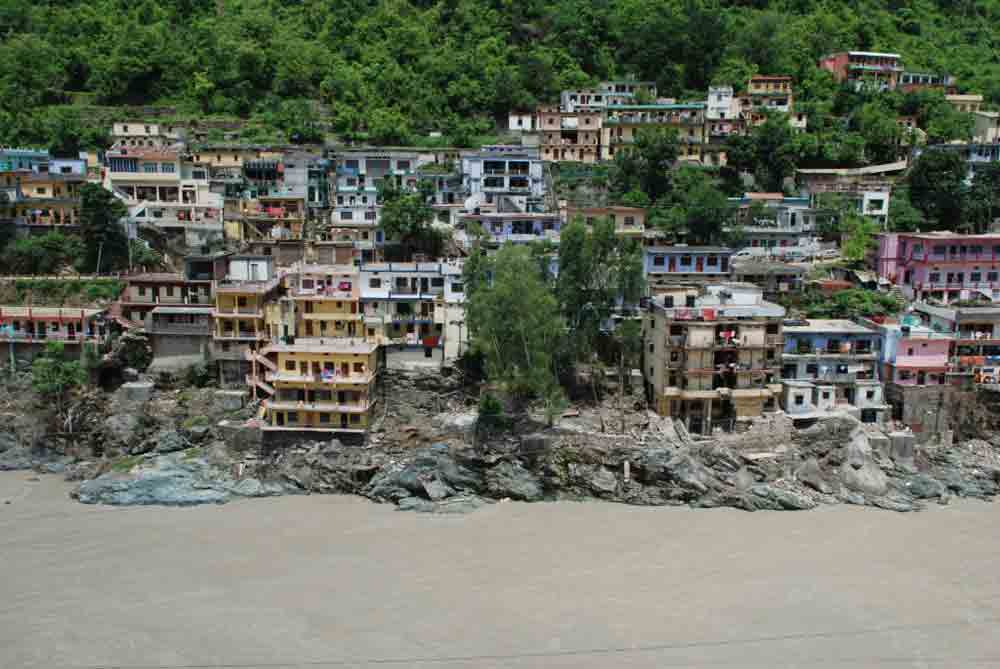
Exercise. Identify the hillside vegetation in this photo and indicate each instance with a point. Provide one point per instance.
(392, 70)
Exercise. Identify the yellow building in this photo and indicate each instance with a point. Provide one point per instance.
(239, 325)
(317, 384)
(624, 122)
(321, 301)
(49, 199)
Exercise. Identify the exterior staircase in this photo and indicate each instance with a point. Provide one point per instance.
(260, 383)
(261, 359)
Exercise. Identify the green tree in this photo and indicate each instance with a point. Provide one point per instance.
(937, 188)
(903, 216)
(53, 376)
(407, 216)
(646, 165)
(104, 238)
(514, 322)
(984, 197)
(877, 124)
(857, 236)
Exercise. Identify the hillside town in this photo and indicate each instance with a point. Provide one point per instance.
(289, 274)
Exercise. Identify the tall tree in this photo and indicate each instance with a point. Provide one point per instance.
(104, 238)
(984, 197)
(645, 166)
(937, 188)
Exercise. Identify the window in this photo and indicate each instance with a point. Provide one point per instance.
(918, 249)
(402, 164)
(66, 170)
(675, 356)
(375, 283)
(712, 261)
(991, 276)
(685, 260)
(40, 190)
(369, 215)
(198, 174)
(812, 369)
(659, 261)
(359, 368)
(324, 418)
(870, 394)
(800, 400)
(934, 277)
(167, 168)
(355, 418)
(826, 394)
(652, 347)
(346, 215)
(976, 250)
(629, 221)
(290, 365)
(975, 277)
(939, 250)
(457, 288)
(909, 351)
(149, 168)
(142, 291)
(170, 291)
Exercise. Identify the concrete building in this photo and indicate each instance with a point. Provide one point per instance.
(26, 330)
(623, 91)
(869, 188)
(967, 103)
(910, 82)
(941, 266)
(680, 264)
(146, 291)
(775, 278)
(519, 228)
(987, 129)
(975, 353)
(775, 220)
(629, 222)
(240, 328)
(840, 356)
(503, 179)
(623, 123)
(570, 136)
(860, 68)
(162, 191)
(769, 95)
(180, 336)
(140, 134)
(722, 121)
(713, 355)
(413, 308)
(915, 363)
(317, 384)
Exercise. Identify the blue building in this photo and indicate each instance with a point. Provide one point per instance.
(687, 264)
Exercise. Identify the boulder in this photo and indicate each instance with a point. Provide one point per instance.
(7, 441)
(170, 441)
(923, 486)
(15, 459)
(135, 392)
(783, 499)
(227, 401)
(252, 487)
(810, 473)
(166, 482)
(859, 472)
(123, 428)
(510, 479)
(602, 481)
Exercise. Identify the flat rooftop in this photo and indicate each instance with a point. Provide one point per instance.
(829, 326)
(324, 345)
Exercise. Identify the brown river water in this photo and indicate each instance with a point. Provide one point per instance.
(327, 581)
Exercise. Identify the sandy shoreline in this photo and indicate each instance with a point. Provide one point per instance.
(339, 581)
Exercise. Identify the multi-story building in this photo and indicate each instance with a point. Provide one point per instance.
(915, 362)
(317, 384)
(925, 81)
(941, 266)
(869, 188)
(624, 122)
(840, 356)
(415, 306)
(722, 121)
(241, 299)
(987, 128)
(775, 220)
(503, 179)
(967, 102)
(519, 228)
(27, 330)
(680, 264)
(146, 291)
(320, 301)
(572, 136)
(975, 353)
(162, 191)
(774, 278)
(23, 159)
(607, 93)
(48, 194)
(273, 202)
(858, 68)
(139, 134)
(629, 222)
(713, 354)
(768, 95)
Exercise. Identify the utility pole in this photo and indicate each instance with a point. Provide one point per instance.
(100, 251)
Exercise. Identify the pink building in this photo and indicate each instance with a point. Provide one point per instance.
(855, 67)
(941, 266)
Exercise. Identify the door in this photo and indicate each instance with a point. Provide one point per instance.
(921, 378)
(671, 264)
(281, 418)
(345, 368)
(71, 330)
(424, 285)
(343, 420)
(699, 264)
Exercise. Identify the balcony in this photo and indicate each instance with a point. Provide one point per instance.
(294, 405)
(239, 311)
(41, 337)
(338, 378)
(241, 335)
(160, 327)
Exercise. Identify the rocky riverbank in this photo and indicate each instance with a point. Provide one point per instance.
(186, 447)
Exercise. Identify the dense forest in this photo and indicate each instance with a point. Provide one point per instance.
(393, 70)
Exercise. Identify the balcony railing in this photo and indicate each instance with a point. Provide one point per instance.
(29, 337)
(159, 327)
(333, 379)
(248, 311)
